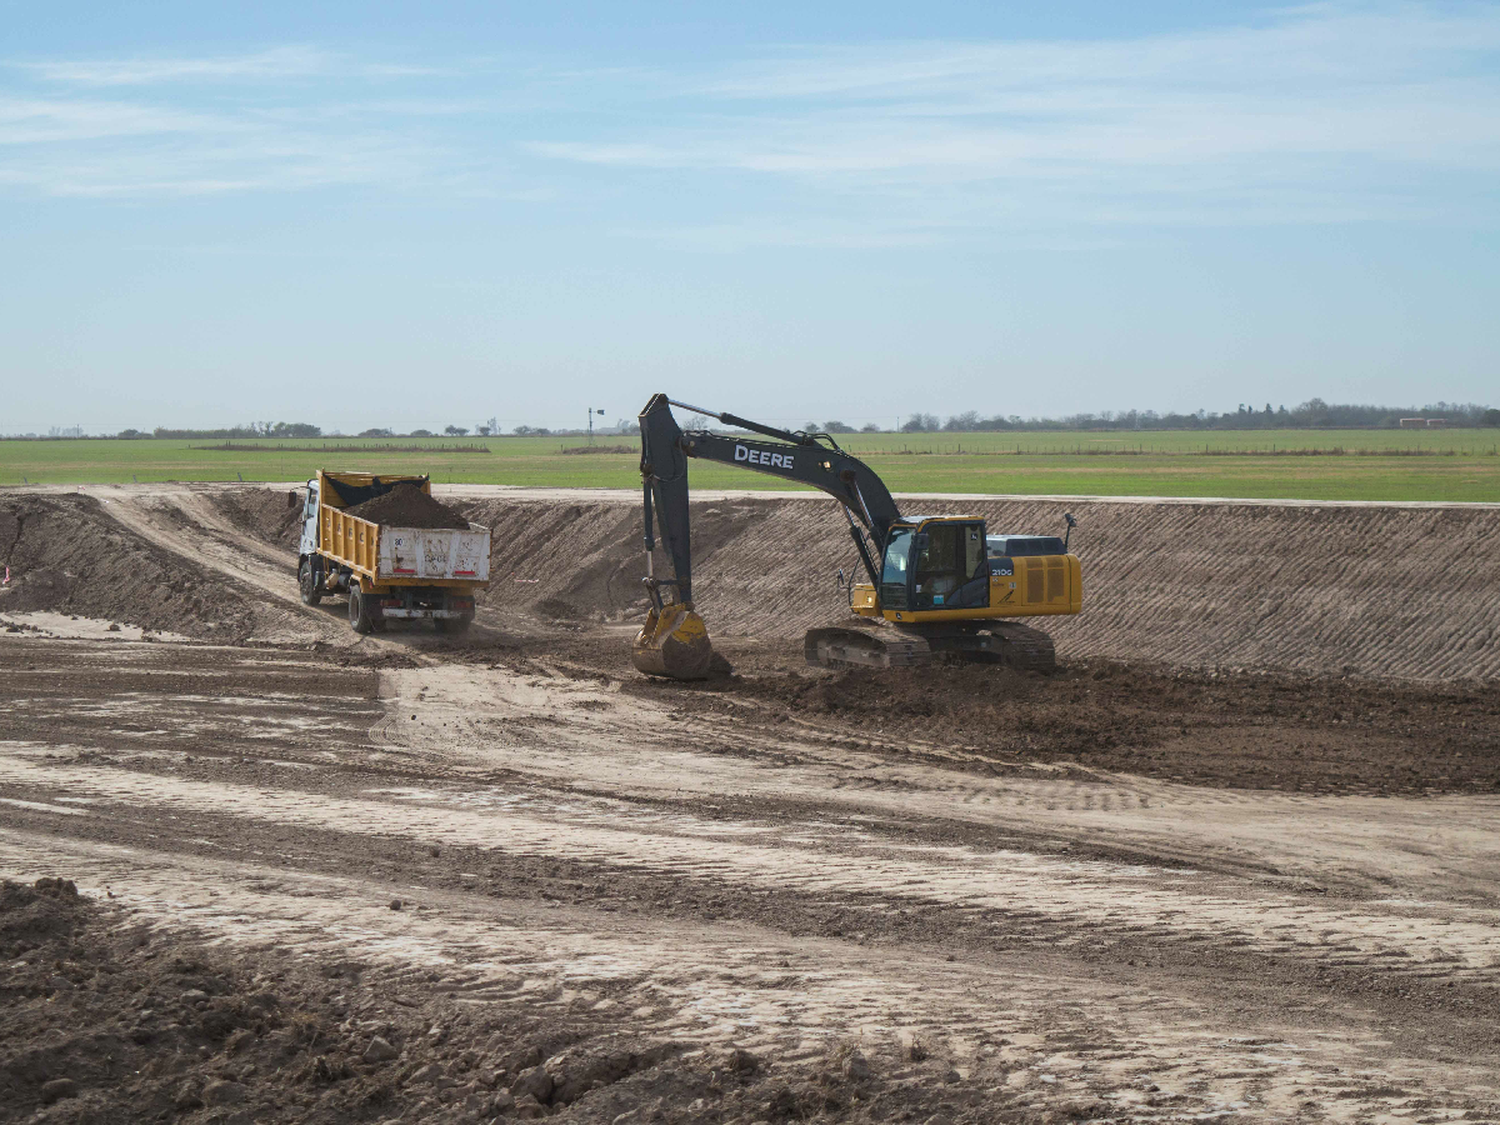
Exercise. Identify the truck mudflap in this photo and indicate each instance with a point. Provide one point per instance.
(424, 605)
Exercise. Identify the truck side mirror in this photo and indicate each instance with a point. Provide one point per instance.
(291, 499)
(920, 540)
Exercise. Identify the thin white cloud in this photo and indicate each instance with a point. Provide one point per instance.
(1305, 115)
(277, 63)
(1311, 113)
(28, 121)
(280, 62)
(1323, 42)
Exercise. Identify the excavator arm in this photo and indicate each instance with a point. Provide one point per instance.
(803, 458)
(674, 641)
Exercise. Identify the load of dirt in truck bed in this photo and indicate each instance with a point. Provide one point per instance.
(406, 505)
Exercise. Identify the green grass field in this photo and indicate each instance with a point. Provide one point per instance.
(1441, 465)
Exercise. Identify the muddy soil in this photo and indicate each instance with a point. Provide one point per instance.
(1232, 729)
(112, 1019)
(1131, 891)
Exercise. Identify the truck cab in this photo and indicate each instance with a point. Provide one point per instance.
(308, 543)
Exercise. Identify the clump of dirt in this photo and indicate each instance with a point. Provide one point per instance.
(406, 505)
(106, 1019)
(67, 555)
(47, 909)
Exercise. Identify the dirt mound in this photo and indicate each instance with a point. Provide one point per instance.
(1322, 589)
(107, 1019)
(1243, 730)
(265, 513)
(406, 505)
(585, 561)
(67, 555)
(48, 908)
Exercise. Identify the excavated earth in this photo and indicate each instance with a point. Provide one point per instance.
(1237, 859)
(406, 505)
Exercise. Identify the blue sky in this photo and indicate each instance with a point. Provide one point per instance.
(364, 215)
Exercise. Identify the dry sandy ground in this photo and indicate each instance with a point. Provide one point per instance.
(1129, 892)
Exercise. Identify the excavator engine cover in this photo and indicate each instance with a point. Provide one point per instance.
(674, 643)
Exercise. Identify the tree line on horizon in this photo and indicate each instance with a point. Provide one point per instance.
(1315, 414)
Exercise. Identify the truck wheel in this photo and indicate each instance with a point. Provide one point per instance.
(307, 581)
(359, 614)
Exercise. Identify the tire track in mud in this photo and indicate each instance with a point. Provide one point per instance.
(526, 769)
(817, 859)
(1042, 1038)
(584, 734)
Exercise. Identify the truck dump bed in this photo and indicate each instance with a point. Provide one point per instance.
(392, 555)
(388, 554)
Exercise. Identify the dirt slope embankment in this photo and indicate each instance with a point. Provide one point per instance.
(1385, 591)
(1412, 593)
(67, 554)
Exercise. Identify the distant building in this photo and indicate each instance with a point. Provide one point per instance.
(1413, 423)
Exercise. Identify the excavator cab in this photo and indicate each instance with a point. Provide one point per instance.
(935, 564)
(949, 569)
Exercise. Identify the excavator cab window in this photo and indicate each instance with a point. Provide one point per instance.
(952, 569)
(893, 571)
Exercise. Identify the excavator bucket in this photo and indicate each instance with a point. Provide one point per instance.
(674, 643)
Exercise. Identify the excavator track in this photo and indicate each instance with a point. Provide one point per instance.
(1017, 646)
(1002, 642)
(855, 648)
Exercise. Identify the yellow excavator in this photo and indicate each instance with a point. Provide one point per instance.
(937, 585)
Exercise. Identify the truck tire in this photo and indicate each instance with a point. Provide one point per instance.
(359, 612)
(308, 582)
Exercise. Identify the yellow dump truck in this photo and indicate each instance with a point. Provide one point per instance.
(355, 541)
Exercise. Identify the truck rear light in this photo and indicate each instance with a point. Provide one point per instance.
(390, 603)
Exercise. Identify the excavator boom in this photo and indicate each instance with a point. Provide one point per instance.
(812, 459)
